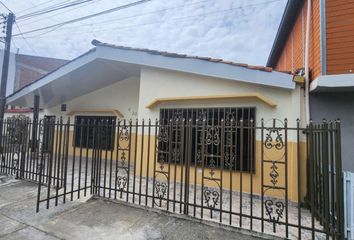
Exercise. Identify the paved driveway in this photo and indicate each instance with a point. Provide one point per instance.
(94, 219)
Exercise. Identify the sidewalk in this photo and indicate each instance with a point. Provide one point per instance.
(94, 219)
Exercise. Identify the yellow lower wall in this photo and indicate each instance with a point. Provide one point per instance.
(140, 157)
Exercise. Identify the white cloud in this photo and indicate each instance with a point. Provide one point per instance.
(197, 27)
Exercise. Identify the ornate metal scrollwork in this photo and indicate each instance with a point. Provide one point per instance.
(177, 116)
(121, 182)
(274, 173)
(201, 115)
(199, 156)
(229, 158)
(228, 117)
(124, 133)
(212, 165)
(274, 210)
(163, 134)
(212, 136)
(211, 198)
(160, 189)
(123, 159)
(176, 154)
(278, 142)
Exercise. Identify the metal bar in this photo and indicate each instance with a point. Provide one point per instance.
(298, 178)
(222, 149)
(74, 160)
(231, 163)
(187, 163)
(286, 180)
(50, 161)
(105, 129)
(182, 162)
(339, 182)
(251, 161)
(93, 157)
(65, 155)
(119, 132)
(141, 158)
(241, 164)
(155, 160)
(58, 141)
(262, 174)
(112, 129)
(203, 162)
(175, 148)
(80, 158)
(326, 179)
(40, 181)
(169, 163)
(129, 156)
(148, 163)
(87, 123)
(135, 156)
(312, 177)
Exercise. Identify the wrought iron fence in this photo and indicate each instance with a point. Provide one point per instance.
(290, 186)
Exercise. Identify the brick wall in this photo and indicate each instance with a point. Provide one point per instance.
(30, 68)
(293, 54)
(340, 36)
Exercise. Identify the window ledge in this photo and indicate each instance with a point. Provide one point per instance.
(99, 111)
(243, 96)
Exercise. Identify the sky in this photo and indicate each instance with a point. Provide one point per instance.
(236, 30)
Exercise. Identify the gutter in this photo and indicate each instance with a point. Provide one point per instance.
(307, 72)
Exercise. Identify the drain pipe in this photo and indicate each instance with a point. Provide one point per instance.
(307, 73)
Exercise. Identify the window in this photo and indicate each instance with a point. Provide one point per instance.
(95, 132)
(238, 146)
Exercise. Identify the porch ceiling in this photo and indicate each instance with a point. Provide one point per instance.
(93, 74)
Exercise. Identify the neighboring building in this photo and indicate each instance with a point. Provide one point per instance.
(112, 82)
(331, 60)
(23, 70)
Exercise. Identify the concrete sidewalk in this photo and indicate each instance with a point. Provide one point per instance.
(94, 219)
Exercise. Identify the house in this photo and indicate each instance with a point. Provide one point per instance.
(24, 69)
(113, 82)
(195, 135)
(330, 61)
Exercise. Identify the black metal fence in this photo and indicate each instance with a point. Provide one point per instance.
(270, 177)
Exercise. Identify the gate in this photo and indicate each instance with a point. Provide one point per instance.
(27, 147)
(271, 177)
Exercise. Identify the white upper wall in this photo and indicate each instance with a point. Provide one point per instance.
(157, 83)
(122, 96)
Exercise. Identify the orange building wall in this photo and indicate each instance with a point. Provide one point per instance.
(293, 54)
(340, 36)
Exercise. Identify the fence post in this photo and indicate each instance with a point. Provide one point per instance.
(339, 181)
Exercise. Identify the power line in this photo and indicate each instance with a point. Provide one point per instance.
(155, 22)
(143, 14)
(25, 40)
(52, 9)
(61, 12)
(40, 4)
(5, 6)
(88, 16)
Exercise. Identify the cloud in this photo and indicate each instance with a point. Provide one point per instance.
(237, 30)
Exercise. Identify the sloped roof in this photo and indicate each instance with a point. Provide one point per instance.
(131, 61)
(178, 55)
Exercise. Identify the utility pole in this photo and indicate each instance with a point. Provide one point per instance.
(9, 19)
